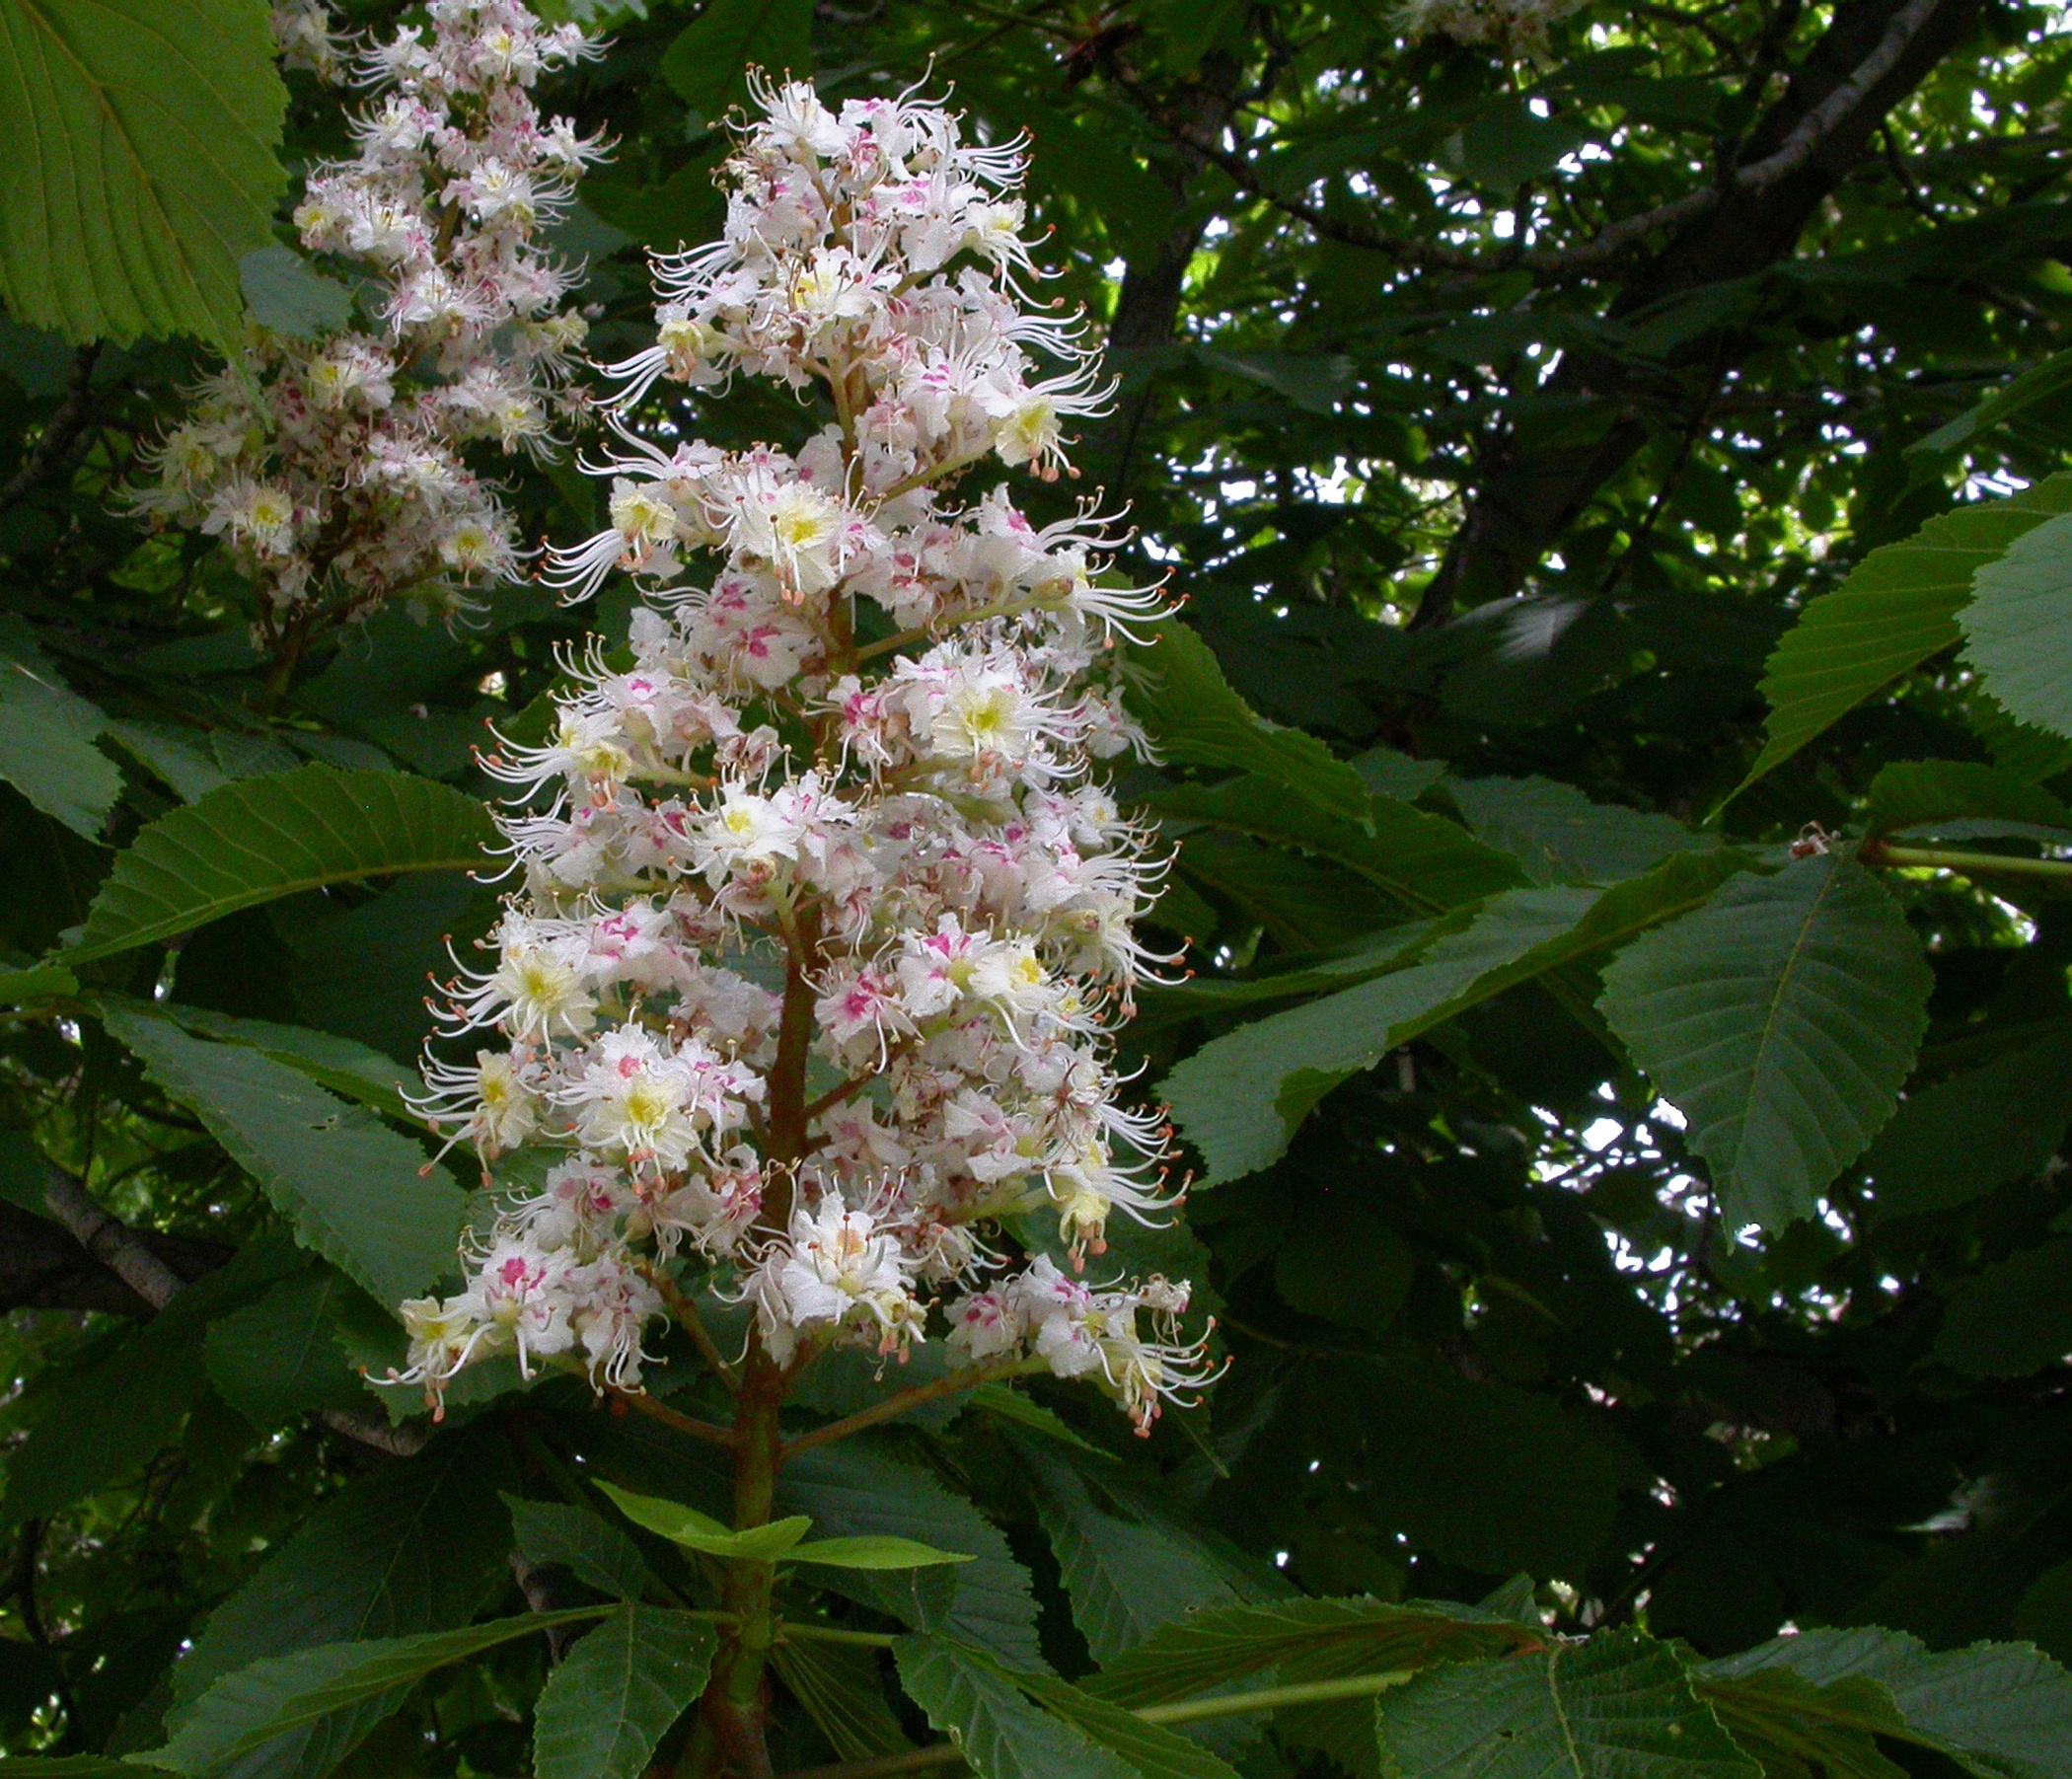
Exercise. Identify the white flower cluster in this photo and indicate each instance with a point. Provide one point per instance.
(1511, 27)
(825, 917)
(336, 468)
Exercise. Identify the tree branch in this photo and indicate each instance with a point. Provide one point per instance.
(1807, 137)
(133, 1259)
(668, 1417)
(1872, 54)
(42, 1266)
(905, 1401)
(109, 1240)
(67, 421)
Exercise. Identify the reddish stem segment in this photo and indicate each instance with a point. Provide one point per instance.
(729, 1735)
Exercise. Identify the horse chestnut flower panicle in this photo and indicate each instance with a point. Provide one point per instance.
(336, 468)
(825, 917)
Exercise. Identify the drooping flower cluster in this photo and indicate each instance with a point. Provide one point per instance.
(825, 915)
(336, 468)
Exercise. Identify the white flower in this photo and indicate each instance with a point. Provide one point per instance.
(809, 964)
(837, 1272)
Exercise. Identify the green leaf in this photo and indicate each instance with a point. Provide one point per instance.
(707, 63)
(287, 295)
(38, 983)
(1387, 773)
(1559, 835)
(700, 1533)
(2018, 628)
(1619, 1705)
(141, 134)
(1177, 691)
(1152, 1752)
(1780, 1020)
(279, 1358)
(343, 1065)
(1342, 1262)
(1425, 862)
(585, 1543)
(2036, 383)
(1507, 144)
(1959, 800)
(2000, 1709)
(1233, 1098)
(262, 839)
(1897, 606)
(46, 730)
(840, 1687)
(1126, 1577)
(873, 1551)
(997, 1731)
(284, 1693)
(2014, 1318)
(857, 1489)
(412, 1546)
(176, 757)
(1483, 1474)
(354, 1191)
(1795, 1727)
(612, 1697)
(1240, 1098)
(1011, 1404)
(1975, 1132)
(1314, 382)
(1220, 1645)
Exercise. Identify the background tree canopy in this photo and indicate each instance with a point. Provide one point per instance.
(1617, 753)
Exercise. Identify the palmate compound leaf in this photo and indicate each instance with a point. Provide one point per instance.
(1240, 1098)
(1178, 692)
(2018, 628)
(141, 135)
(352, 1189)
(261, 838)
(615, 1694)
(281, 1694)
(1619, 1706)
(2000, 1710)
(1781, 1020)
(1898, 606)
